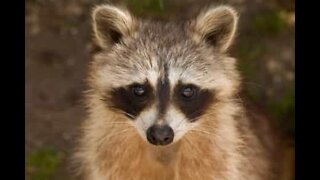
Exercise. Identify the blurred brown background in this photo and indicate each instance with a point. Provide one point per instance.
(58, 34)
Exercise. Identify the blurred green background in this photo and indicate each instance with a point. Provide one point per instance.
(57, 39)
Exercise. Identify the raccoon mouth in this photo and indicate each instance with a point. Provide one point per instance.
(160, 135)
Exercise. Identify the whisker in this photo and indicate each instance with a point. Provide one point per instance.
(211, 136)
(101, 140)
(115, 122)
(202, 131)
(123, 112)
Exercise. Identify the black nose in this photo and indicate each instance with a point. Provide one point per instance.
(160, 135)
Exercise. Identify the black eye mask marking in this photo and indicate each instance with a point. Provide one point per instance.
(132, 99)
(191, 100)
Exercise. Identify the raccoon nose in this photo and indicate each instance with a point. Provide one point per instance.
(160, 135)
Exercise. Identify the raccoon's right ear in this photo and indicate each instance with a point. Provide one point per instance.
(216, 26)
(111, 24)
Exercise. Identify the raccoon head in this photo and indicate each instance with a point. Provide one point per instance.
(163, 77)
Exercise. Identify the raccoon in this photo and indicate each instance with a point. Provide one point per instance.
(163, 102)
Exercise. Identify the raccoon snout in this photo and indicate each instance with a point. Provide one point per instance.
(160, 135)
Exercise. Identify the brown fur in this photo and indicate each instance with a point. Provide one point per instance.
(222, 145)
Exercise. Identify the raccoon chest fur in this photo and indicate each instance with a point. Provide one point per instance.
(180, 161)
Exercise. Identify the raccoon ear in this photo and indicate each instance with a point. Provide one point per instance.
(216, 26)
(111, 24)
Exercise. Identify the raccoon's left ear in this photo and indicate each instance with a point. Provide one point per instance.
(111, 24)
(216, 26)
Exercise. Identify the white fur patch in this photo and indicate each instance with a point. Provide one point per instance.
(146, 119)
(178, 122)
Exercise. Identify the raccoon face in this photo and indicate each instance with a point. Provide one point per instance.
(163, 77)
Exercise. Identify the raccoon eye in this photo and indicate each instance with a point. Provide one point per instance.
(139, 90)
(188, 92)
